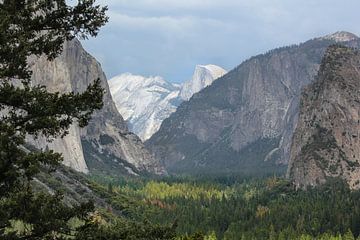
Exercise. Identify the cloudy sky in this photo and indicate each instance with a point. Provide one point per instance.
(169, 37)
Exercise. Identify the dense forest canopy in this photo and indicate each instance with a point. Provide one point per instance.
(238, 208)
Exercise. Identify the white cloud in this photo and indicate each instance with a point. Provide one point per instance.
(167, 4)
(162, 23)
(168, 37)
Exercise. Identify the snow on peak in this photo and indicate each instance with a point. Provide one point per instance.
(204, 76)
(341, 36)
(130, 82)
(145, 102)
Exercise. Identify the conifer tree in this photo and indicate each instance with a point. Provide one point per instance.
(35, 28)
(349, 235)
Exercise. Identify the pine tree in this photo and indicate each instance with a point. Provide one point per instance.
(272, 233)
(35, 28)
(348, 235)
(305, 237)
(110, 188)
(211, 236)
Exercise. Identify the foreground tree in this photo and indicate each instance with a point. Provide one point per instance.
(39, 27)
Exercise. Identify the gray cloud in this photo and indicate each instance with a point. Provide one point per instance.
(169, 37)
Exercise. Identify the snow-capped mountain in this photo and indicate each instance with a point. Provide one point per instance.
(145, 102)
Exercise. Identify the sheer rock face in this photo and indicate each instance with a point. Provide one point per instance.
(245, 120)
(204, 75)
(107, 135)
(326, 141)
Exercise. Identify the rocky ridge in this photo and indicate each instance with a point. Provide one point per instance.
(326, 142)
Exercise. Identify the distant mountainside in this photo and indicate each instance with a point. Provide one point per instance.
(244, 121)
(326, 142)
(146, 102)
(105, 144)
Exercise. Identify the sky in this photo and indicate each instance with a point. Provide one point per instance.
(169, 37)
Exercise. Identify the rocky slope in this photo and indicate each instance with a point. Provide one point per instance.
(245, 120)
(146, 102)
(106, 143)
(326, 141)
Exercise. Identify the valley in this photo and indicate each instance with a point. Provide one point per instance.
(216, 192)
(232, 207)
(269, 150)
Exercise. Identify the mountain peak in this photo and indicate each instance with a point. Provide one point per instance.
(341, 36)
(215, 70)
(204, 75)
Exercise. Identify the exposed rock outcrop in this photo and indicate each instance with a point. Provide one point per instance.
(326, 142)
(106, 143)
(341, 36)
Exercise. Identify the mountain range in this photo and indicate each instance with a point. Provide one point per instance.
(244, 121)
(145, 102)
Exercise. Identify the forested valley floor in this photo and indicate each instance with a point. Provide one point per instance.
(235, 208)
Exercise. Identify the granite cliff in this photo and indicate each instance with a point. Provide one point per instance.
(105, 144)
(326, 141)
